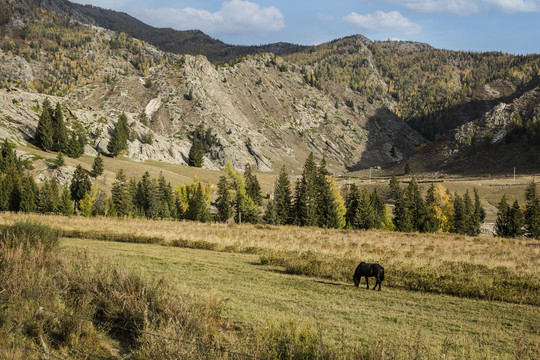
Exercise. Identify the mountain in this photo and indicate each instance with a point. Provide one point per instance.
(261, 110)
(354, 101)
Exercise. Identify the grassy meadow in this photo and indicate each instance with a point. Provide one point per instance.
(444, 296)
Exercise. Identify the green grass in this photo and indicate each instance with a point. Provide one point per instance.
(393, 321)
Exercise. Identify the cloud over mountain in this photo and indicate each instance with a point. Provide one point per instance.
(390, 23)
(236, 17)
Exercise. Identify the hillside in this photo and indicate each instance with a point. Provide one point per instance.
(346, 100)
(260, 110)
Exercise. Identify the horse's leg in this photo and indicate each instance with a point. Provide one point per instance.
(367, 283)
(376, 283)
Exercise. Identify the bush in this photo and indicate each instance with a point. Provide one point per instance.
(29, 234)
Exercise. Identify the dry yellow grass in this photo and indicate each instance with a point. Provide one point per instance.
(516, 255)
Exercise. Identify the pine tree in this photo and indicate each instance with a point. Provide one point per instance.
(142, 194)
(472, 227)
(253, 188)
(378, 208)
(329, 203)
(97, 166)
(196, 154)
(516, 221)
(28, 196)
(59, 130)
(479, 212)
(65, 205)
(80, 184)
(122, 195)
(119, 136)
(352, 203)
(283, 200)
(59, 161)
(365, 216)
(269, 216)
(45, 131)
(502, 224)
(168, 208)
(532, 211)
(460, 215)
(223, 201)
(305, 205)
(415, 205)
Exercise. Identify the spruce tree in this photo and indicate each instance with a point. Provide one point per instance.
(122, 195)
(378, 208)
(168, 208)
(365, 216)
(97, 166)
(532, 212)
(197, 206)
(245, 209)
(415, 205)
(80, 184)
(460, 215)
(351, 203)
(305, 197)
(119, 136)
(253, 188)
(283, 199)
(65, 205)
(269, 216)
(516, 221)
(330, 207)
(196, 154)
(59, 130)
(143, 194)
(472, 227)
(502, 224)
(224, 201)
(45, 131)
(29, 193)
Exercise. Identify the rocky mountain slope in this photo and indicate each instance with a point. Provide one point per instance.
(261, 110)
(348, 100)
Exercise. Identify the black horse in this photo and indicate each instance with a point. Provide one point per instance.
(369, 270)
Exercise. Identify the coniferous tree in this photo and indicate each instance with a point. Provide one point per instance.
(97, 166)
(415, 205)
(80, 184)
(502, 224)
(516, 221)
(269, 216)
(532, 212)
(60, 160)
(378, 206)
(143, 194)
(305, 198)
(471, 226)
(196, 154)
(283, 200)
(330, 207)
(122, 195)
(29, 193)
(168, 208)
(365, 216)
(352, 202)
(479, 212)
(65, 204)
(253, 188)
(224, 201)
(59, 130)
(45, 131)
(460, 215)
(119, 136)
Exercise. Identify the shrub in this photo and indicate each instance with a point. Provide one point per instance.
(29, 234)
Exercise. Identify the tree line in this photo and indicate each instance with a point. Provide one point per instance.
(315, 201)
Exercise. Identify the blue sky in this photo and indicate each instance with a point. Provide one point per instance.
(480, 25)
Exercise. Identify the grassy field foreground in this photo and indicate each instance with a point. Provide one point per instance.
(252, 286)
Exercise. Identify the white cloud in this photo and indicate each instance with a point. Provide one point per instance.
(390, 23)
(236, 17)
(325, 17)
(470, 7)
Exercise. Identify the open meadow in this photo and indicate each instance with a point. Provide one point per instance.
(444, 296)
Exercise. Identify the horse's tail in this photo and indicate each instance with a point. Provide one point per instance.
(382, 273)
